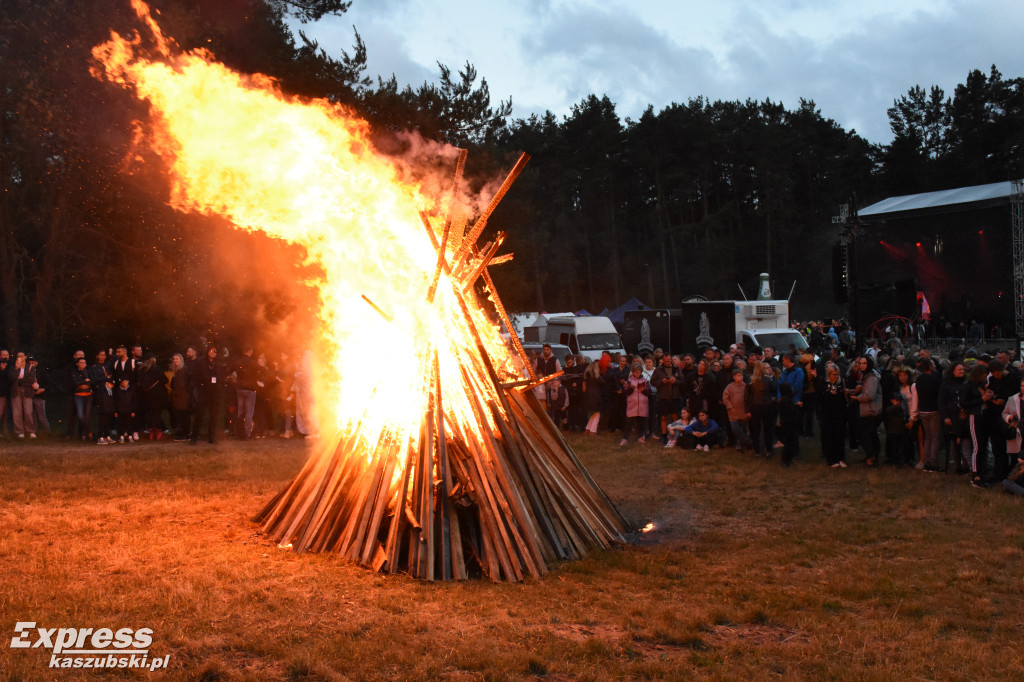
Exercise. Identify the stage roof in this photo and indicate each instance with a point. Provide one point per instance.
(944, 201)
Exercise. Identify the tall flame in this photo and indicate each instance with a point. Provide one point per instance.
(306, 172)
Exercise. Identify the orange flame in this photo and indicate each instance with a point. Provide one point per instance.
(305, 172)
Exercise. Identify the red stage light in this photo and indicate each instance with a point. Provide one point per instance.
(919, 244)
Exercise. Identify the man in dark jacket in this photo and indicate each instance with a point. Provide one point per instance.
(665, 380)
(244, 368)
(208, 378)
(1003, 386)
(573, 382)
(123, 374)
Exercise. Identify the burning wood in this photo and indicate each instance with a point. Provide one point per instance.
(507, 496)
(446, 473)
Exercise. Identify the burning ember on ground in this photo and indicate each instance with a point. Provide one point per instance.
(446, 473)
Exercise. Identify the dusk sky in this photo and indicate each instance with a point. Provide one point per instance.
(852, 58)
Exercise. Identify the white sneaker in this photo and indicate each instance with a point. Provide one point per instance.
(641, 441)
(622, 442)
(670, 444)
(842, 465)
(120, 439)
(31, 435)
(697, 449)
(707, 448)
(135, 436)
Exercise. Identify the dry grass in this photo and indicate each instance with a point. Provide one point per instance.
(753, 572)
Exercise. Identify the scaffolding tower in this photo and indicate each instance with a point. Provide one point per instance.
(1017, 224)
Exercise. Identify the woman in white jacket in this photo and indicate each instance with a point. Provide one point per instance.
(1011, 415)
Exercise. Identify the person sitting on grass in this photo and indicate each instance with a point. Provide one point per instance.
(705, 430)
(1014, 482)
(677, 433)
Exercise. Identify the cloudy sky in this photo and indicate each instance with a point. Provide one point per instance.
(851, 58)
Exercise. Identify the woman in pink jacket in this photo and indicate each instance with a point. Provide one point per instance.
(638, 393)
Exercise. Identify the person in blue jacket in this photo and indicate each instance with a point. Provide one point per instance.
(793, 374)
(704, 430)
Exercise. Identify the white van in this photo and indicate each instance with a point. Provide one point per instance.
(589, 335)
(535, 330)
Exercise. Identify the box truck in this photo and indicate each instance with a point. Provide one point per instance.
(697, 325)
(754, 323)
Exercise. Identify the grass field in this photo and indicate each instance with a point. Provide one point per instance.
(752, 572)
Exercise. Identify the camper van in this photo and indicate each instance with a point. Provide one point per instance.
(588, 335)
(535, 331)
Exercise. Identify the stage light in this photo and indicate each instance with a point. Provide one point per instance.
(918, 244)
(981, 231)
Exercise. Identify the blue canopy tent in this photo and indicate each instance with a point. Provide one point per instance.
(619, 314)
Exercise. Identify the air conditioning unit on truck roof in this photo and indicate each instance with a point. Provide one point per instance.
(761, 310)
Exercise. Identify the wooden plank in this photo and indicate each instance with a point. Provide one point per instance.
(425, 475)
(481, 222)
(511, 501)
(485, 259)
(391, 548)
(525, 483)
(445, 484)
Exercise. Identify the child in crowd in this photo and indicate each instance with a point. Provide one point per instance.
(897, 437)
(677, 431)
(735, 398)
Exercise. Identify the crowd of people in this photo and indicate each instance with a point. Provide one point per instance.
(124, 396)
(959, 415)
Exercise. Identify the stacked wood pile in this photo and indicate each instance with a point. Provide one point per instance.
(505, 497)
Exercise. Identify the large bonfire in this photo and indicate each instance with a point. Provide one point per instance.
(441, 473)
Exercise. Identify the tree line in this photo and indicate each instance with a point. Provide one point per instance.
(687, 200)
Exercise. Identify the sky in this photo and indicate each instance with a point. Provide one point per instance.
(851, 58)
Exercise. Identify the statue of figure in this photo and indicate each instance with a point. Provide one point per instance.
(645, 345)
(704, 338)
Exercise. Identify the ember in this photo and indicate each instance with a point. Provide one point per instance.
(442, 473)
